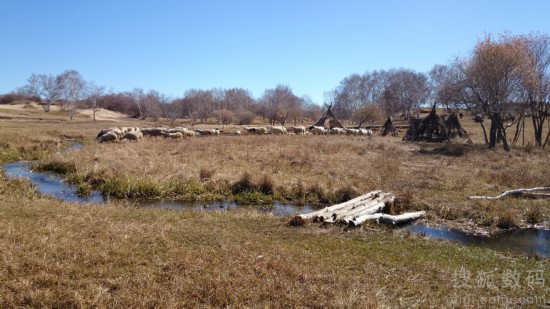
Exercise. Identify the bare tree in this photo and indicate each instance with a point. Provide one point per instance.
(224, 116)
(368, 113)
(202, 102)
(405, 91)
(536, 82)
(73, 90)
(279, 104)
(95, 98)
(349, 96)
(138, 96)
(491, 78)
(45, 87)
(237, 98)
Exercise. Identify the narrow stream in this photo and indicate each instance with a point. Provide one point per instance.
(526, 240)
(50, 183)
(529, 240)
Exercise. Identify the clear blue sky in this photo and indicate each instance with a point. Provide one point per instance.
(174, 46)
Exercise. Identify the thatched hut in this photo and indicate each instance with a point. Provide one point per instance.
(388, 128)
(429, 129)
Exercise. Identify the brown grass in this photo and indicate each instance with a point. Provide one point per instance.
(318, 169)
(57, 254)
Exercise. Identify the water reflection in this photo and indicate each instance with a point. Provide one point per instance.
(528, 240)
(50, 184)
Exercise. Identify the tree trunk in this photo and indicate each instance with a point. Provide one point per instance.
(385, 218)
(497, 132)
(484, 132)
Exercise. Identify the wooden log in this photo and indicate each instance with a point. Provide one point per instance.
(362, 219)
(365, 212)
(505, 193)
(402, 218)
(375, 208)
(327, 211)
(349, 211)
(370, 207)
(385, 218)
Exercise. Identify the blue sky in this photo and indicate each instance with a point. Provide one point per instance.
(310, 46)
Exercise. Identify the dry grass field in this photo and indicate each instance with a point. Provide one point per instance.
(57, 254)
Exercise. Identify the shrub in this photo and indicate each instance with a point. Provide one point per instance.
(267, 185)
(243, 185)
(534, 215)
(507, 221)
(206, 174)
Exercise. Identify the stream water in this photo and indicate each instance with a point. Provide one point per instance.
(527, 240)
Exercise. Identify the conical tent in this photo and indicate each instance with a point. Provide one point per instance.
(454, 128)
(328, 120)
(429, 129)
(388, 128)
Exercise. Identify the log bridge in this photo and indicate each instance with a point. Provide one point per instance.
(360, 209)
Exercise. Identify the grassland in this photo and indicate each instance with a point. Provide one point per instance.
(56, 254)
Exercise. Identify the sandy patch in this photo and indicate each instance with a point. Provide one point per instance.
(103, 114)
(30, 106)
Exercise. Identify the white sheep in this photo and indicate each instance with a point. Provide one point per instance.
(206, 132)
(159, 131)
(133, 136)
(256, 130)
(108, 137)
(317, 130)
(299, 130)
(365, 132)
(352, 132)
(278, 130)
(336, 131)
(175, 135)
(114, 130)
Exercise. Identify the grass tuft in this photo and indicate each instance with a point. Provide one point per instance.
(534, 215)
(507, 220)
(266, 185)
(206, 174)
(244, 184)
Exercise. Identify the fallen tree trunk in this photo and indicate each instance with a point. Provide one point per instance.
(372, 206)
(360, 209)
(368, 211)
(505, 193)
(385, 218)
(328, 211)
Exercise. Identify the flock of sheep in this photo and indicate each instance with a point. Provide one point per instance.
(301, 130)
(179, 133)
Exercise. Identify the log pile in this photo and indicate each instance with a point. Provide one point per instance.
(360, 209)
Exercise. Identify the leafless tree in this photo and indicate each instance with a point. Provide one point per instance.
(45, 87)
(243, 116)
(491, 78)
(224, 116)
(536, 82)
(405, 91)
(279, 104)
(95, 98)
(73, 90)
(368, 113)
